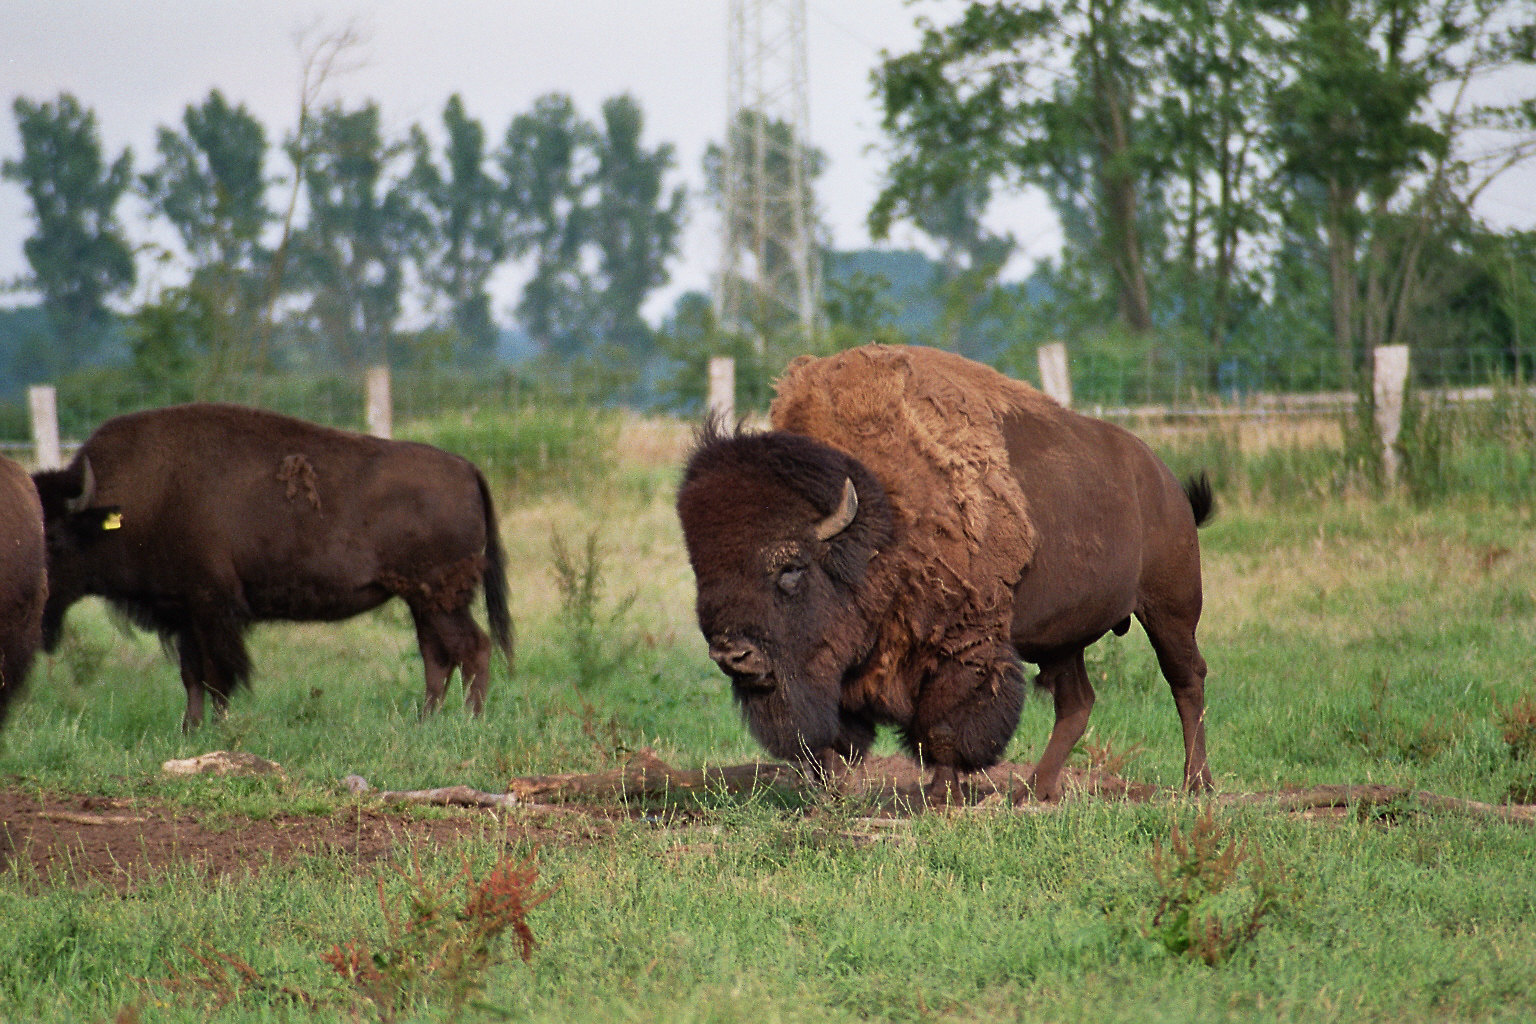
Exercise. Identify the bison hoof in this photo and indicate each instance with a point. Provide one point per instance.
(1037, 790)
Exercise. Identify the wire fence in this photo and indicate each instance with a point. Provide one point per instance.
(1169, 391)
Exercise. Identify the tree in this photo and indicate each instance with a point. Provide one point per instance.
(590, 210)
(633, 224)
(210, 185)
(352, 252)
(1046, 94)
(1364, 115)
(546, 160)
(467, 237)
(78, 253)
(756, 161)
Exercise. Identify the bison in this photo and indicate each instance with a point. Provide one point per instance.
(198, 520)
(23, 579)
(916, 524)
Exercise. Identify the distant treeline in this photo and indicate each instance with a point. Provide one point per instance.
(1253, 195)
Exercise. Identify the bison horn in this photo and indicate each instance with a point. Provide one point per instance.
(840, 520)
(82, 501)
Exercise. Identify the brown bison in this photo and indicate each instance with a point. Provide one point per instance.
(198, 520)
(23, 579)
(912, 527)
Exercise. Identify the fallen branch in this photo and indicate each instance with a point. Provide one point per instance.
(897, 784)
(1317, 797)
(447, 796)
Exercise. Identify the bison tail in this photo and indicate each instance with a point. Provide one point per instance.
(495, 576)
(1202, 500)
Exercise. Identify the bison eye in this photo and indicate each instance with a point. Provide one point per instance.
(790, 579)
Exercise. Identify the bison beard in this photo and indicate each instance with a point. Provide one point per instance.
(875, 560)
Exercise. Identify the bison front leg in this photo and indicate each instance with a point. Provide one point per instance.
(964, 718)
(1067, 679)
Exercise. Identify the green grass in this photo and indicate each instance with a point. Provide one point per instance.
(1350, 640)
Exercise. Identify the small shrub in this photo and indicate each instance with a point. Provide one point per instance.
(435, 949)
(1191, 871)
(1519, 728)
(600, 644)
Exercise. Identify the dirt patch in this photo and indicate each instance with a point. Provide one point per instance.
(81, 840)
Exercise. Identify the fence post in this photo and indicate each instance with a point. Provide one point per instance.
(44, 406)
(380, 412)
(722, 390)
(1055, 378)
(1389, 381)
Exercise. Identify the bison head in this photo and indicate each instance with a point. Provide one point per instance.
(74, 525)
(781, 532)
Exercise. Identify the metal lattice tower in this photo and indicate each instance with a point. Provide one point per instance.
(769, 268)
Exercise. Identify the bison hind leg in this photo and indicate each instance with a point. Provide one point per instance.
(452, 640)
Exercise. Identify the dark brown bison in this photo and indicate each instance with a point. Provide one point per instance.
(23, 579)
(916, 524)
(198, 520)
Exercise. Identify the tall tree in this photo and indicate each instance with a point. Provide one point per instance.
(633, 223)
(546, 160)
(361, 229)
(1378, 111)
(1032, 93)
(759, 152)
(464, 207)
(78, 253)
(210, 185)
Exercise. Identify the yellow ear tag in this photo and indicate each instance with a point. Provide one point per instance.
(113, 522)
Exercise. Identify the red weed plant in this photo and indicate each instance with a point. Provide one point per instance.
(1191, 871)
(436, 947)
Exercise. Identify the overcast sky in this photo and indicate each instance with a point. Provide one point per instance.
(139, 64)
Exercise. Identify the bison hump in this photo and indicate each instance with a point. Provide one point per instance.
(929, 425)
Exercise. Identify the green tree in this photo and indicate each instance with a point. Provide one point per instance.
(547, 161)
(1051, 94)
(467, 239)
(210, 185)
(1378, 113)
(633, 223)
(756, 162)
(361, 229)
(78, 253)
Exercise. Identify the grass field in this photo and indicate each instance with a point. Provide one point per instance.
(1350, 639)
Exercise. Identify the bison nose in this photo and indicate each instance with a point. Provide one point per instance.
(739, 659)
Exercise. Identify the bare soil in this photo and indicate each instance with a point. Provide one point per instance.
(72, 839)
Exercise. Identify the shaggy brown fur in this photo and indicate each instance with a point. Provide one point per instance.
(991, 524)
(199, 520)
(23, 579)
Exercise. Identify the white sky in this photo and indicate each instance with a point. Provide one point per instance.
(138, 64)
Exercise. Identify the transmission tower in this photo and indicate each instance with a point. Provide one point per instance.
(769, 268)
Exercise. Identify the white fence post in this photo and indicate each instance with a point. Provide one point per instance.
(722, 390)
(44, 405)
(1055, 379)
(1389, 381)
(380, 412)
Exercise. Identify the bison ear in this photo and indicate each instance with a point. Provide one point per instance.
(843, 517)
(82, 501)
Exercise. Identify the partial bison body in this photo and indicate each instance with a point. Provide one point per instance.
(199, 520)
(913, 527)
(23, 579)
